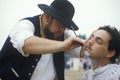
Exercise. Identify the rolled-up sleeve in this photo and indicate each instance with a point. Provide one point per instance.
(22, 30)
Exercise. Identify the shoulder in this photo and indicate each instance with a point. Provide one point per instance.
(113, 72)
(24, 24)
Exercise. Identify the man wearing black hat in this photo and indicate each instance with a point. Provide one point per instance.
(35, 49)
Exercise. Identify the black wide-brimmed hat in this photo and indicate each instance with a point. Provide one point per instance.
(62, 11)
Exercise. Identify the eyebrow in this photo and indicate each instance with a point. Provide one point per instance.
(98, 37)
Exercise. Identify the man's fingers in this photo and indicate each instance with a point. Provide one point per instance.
(78, 43)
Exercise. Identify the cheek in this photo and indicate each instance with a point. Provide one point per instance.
(53, 28)
(98, 52)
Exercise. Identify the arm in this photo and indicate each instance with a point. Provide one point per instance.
(36, 45)
(25, 42)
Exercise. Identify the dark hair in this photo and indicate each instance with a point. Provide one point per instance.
(114, 42)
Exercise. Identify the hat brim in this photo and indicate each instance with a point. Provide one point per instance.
(52, 12)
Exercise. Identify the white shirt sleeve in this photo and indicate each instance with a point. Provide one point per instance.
(22, 30)
(74, 52)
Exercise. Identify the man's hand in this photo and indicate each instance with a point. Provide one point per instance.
(72, 43)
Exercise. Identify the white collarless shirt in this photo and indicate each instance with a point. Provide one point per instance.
(108, 72)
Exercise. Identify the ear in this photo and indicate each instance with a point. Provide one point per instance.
(47, 18)
(111, 53)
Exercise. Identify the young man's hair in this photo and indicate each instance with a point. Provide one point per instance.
(114, 42)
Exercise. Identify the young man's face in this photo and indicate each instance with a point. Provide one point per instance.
(97, 45)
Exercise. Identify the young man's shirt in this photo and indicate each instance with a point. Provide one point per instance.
(108, 72)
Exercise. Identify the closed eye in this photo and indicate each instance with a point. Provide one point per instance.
(99, 40)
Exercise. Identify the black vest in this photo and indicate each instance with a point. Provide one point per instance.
(14, 66)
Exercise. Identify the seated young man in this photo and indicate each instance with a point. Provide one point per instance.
(103, 47)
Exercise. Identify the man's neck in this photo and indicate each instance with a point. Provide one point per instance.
(99, 63)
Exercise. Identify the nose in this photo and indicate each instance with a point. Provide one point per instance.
(91, 41)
